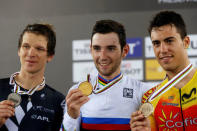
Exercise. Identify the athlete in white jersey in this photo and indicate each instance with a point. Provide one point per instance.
(114, 96)
(109, 108)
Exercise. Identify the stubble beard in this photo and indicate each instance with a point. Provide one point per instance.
(108, 72)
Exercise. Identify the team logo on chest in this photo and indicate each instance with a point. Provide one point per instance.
(127, 92)
(186, 98)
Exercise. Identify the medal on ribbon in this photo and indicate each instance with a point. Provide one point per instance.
(147, 108)
(107, 86)
(15, 98)
(86, 87)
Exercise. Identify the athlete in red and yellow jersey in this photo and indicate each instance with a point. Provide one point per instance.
(176, 109)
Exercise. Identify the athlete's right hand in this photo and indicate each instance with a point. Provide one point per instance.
(139, 122)
(74, 100)
(6, 111)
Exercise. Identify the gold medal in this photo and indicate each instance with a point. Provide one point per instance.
(86, 88)
(14, 97)
(146, 109)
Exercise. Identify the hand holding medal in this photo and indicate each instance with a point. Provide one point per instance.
(6, 111)
(75, 99)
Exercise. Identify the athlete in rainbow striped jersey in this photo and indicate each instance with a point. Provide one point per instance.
(114, 95)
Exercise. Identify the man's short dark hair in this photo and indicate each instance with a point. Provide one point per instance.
(41, 29)
(108, 26)
(169, 18)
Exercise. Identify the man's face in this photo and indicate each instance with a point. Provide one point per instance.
(169, 48)
(33, 53)
(107, 55)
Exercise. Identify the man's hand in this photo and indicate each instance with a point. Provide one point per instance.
(6, 111)
(75, 99)
(139, 122)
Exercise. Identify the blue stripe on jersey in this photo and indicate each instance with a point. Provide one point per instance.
(90, 120)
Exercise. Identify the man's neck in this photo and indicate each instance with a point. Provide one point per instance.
(29, 80)
(185, 80)
(109, 79)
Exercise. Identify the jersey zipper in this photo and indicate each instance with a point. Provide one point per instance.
(182, 111)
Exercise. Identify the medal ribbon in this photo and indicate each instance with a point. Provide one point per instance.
(107, 85)
(172, 82)
(30, 91)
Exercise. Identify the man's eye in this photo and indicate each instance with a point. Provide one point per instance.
(96, 48)
(169, 41)
(26, 46)
(156, 43)
(40, 49)
(111, 48)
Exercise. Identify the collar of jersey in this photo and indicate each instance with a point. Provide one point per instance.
(101, 86)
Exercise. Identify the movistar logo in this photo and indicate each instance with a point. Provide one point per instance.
(187, 96)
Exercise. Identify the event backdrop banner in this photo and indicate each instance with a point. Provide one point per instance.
(140, 62)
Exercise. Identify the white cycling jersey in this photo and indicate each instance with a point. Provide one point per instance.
(110, 106)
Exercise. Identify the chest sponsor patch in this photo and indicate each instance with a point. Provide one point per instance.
(39, 117)
(127, 92)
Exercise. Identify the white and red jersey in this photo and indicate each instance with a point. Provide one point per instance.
(109, 107)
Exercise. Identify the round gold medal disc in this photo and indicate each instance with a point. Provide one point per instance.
(86, 88)
(146, 109)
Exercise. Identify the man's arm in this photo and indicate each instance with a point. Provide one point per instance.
(74, 100)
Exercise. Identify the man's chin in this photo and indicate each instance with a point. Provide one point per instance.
(167, 68)
(31, 71)
(104, 73)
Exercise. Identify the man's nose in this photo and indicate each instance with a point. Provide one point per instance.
(103, 53)
(32, 52)
(163, 47)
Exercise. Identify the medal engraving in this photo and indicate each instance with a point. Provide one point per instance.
(14, 98)
(146, 109)
(86, 88)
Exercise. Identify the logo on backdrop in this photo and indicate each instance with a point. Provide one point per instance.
(81, 50)
(133, 69)
(153, 70)
(135, 45)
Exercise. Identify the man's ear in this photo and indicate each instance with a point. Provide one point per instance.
(125, 50)
(50, 58)
(91, 48)
(18, 52)
(186, 42)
